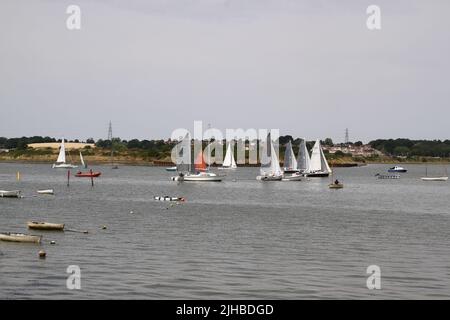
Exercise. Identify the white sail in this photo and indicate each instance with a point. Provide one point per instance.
(325, 166)
(303, 160)
(265, 159)
(62, 153)
(229, 158)
(290, 162)
(82, 160)
(316, 162)
(275, 162)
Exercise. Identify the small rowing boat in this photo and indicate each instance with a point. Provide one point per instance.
(171, 169)
(47, 191)
(167, 198)
(45, 226)
(336, 185)
(10, 194)
(20, 237)
(87, 174)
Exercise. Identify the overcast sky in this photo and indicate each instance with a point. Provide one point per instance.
(310, 68)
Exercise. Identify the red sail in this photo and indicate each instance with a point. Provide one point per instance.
(199, 163)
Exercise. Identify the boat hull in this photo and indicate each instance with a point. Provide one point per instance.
(166, 198)
(384, 176)
(64, 166)
(45, 226)
(318, 174)
(292, 177)
(48, 192)
(435, 179)
(202, 177)
(336, 186)
(171, 169)
(269, 178)
(88, 174)
(10, 194)
(18, 237)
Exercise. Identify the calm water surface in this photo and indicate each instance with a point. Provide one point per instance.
(236, 239)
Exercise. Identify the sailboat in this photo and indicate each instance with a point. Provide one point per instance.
(229, 162)
(290, 163)
(442, 178)
(319, 166)
(303, 159)
(188, 171)
(270, 167)
(335, 184)
(61, 161)
(89, 174)
(290, 170)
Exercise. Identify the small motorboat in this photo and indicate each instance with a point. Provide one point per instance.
(167, 198)
(171, 169)
(397, 169)
(10, 194)
(89, 174)
(20, 237)
(47, 191)
(45, 226)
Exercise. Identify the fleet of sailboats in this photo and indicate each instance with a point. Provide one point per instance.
(61, 161)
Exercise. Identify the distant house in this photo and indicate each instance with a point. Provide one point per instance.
(4, 150)
(362, 151)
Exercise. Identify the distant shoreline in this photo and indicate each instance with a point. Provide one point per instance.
(157, 163)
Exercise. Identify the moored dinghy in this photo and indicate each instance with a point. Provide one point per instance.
(46, 191)
(45, 226)
(167, 198)
(10, 194)
(20, 237)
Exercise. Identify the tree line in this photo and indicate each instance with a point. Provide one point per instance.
(391, 147)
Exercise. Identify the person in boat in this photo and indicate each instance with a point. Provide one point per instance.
(336, 182)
